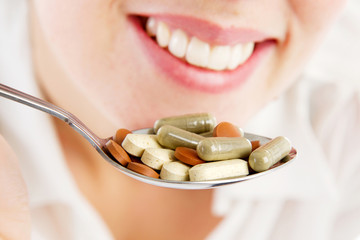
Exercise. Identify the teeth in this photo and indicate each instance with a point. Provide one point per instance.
(219, 57)
(163, 34)
(197, 52)
(151, 27)
(236, 56)
(178, 43)
(248, 50)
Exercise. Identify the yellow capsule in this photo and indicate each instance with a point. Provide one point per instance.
(222, 148)
(196, 123)
(219, 170)
(175, 171)
(270, 153)
(173, 137)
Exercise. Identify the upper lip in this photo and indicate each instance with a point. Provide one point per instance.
(210, 31)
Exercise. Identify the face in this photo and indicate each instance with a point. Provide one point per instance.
(127, 63)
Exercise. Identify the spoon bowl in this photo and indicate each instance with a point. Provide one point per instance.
(205, 184)
(99, 144)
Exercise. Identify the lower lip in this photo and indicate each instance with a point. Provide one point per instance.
(196, 78)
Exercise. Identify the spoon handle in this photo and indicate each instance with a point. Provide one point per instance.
(37, 103)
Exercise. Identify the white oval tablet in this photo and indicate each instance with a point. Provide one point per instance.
(176, 171)
(135, 144)
(219, 170)
(156, 157)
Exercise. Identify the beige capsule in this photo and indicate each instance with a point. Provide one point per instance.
(176, 171)
(219, 170)
(173, 137)
(135, 144)
(222, 148)
(196, 123)
(206, 134)
(156, 157)
(270, 153)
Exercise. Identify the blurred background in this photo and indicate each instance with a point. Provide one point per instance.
(338, 58)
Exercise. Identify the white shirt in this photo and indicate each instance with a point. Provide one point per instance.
(316, 197)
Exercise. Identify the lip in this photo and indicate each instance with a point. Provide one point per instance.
(211, 32)
(196, 78)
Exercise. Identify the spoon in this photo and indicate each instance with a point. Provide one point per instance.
(99, 144)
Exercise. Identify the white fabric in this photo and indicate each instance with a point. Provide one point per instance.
(338, 57)
(316, 197)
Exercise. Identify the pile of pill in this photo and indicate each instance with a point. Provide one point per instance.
(194, 148)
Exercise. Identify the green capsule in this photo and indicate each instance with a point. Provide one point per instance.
(222, 148)
(270, 153)
(173, 137)
(206, 134)
(196, 123)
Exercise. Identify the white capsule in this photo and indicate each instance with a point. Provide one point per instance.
(219, 170)
(157, 157)
(175, 171)
(135, 144)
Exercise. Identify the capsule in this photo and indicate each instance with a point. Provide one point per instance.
(206, 134)
(222, 148)
(265, 156)
(135, 144)
(219, 170)
(157, 157)
(196, 123)
(173, 137)
(175, 171)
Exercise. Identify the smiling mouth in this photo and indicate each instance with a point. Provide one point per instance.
(194, 51)
(201, 55)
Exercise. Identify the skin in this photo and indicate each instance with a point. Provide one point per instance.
(14, 207)
(87, 60)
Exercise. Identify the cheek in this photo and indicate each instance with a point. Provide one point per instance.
(93, 48)
(315, 15)
(78, 33)
(307, 22)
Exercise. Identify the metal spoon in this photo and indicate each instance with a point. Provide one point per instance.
(99, 143)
